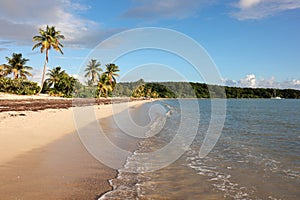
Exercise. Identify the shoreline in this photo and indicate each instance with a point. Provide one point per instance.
(10, 102)
(45, 141)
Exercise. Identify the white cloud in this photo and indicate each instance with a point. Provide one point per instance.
(80, 78)
(258, 9)
(248, 3)
(253, 82)
(248, 81)
(20, 23)
(36, 75)
(296, 82)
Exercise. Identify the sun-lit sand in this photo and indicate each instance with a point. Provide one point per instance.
(25, 130)
(28, 139)
(16, 97)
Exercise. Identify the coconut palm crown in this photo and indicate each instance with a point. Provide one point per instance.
(93, 71)
(16, 65)
(111, 72)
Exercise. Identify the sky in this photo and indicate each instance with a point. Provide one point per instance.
(252, 43)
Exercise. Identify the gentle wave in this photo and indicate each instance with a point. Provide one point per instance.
(127, 184)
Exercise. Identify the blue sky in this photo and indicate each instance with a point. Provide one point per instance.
(253, 43)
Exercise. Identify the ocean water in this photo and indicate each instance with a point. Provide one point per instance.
(257, 155)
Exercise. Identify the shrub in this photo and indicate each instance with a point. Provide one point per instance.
(18, 86)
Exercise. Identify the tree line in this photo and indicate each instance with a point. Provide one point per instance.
(197, 90)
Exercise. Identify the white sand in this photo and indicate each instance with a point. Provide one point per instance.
(20, 134)
(4, 96)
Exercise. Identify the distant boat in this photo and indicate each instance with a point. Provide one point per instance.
(275, 97)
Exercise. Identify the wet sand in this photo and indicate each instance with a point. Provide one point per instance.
(60, 170)
(42, 157)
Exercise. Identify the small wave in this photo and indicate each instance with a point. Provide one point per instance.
(220, 180)
(291, 173)
(156, 125)
(128, 185)
(124, 185)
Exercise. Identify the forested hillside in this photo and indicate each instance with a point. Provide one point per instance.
(197, 90)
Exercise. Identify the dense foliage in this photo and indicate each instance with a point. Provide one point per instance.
(16, 65)
(197, 90)
(105, 81)
(153, 90)
(18, 86)
(59, 83)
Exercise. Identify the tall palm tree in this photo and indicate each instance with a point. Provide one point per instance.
(16, 65)
(111, 72)
(48, 39)
(93, 71)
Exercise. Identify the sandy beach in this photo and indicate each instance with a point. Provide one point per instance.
(41, 156)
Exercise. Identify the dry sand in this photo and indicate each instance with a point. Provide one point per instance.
(41, 156)
(15, 97)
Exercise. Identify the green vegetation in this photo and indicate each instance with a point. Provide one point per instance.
(197, 90)
(153, 90)
(111, 73)
(13, 76)
(16, 65)
(104, 86)
(46, 40)
(93, 71)
(59, 83)
(105, 82)
(18, 86)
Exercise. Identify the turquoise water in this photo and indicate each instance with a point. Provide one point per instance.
(256, 157)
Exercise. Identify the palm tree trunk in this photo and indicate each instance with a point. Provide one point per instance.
(44, 72)
(43, 77)
(15, 74)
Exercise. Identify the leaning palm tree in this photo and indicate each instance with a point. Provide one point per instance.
(16, 65)
(103, 86)
(55, 75)
(48, 39)
(93, 71)
(111, 72)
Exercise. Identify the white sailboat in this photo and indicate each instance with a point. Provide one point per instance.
(275, 97)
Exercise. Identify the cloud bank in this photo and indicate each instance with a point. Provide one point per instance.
(258, 9)
(180, 9)
(20, 23)
(253, 82)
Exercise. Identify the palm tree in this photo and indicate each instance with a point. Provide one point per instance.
(103, 86)
(55, 75)
(46, 40)
(111, 72)
(59, 82)
(17, 66)
(93, 71)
